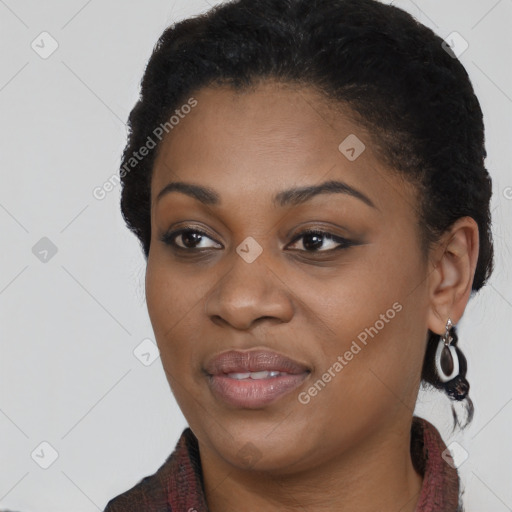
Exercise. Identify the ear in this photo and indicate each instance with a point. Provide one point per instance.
(454, 262)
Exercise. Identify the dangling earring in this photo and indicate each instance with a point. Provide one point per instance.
(447, 361)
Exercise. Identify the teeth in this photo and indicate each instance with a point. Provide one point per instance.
(260, 375)
(254, 375)
(239, 376)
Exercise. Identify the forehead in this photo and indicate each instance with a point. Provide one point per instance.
(267, 139)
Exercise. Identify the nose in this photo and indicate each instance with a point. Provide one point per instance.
(249, 293)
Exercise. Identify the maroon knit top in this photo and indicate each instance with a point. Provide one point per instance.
(178, 486)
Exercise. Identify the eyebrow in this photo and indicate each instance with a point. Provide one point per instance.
(290, 197)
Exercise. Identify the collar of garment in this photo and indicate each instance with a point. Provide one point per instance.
(177, 486)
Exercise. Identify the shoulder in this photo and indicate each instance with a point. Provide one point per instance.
(153, 493)
(431, 459)
(150, 494)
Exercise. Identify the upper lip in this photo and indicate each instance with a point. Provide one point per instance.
(235, 361)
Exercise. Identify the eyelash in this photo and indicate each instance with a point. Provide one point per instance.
(170, 239)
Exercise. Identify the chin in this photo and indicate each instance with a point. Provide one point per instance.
(270, 446)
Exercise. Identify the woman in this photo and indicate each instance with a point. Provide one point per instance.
(307, 181)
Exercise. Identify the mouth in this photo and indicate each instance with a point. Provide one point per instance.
(253, 379)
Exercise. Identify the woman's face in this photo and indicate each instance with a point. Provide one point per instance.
(339, 317)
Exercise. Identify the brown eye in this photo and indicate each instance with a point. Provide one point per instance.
(320, 241)
(189, 239)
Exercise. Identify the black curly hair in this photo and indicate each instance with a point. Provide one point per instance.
(390, 73)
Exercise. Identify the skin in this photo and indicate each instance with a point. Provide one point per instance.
(307, 305)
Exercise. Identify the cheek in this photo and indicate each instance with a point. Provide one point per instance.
(366, 286)
(171, 296)
(375, 312)
(159, 297)
(171, 308)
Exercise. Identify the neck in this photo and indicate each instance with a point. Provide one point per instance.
(377, 474)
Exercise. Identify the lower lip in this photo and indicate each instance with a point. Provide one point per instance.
(254, 393)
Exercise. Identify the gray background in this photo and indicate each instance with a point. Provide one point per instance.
(71, 321)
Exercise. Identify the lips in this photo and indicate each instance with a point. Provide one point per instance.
(235, 361)
(253, 379)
